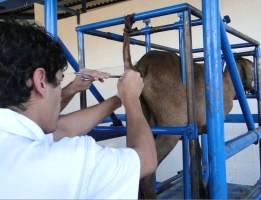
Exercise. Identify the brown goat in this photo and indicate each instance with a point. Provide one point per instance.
(164, 100)
(164, 97)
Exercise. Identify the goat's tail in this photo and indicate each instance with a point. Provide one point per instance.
(126, 43)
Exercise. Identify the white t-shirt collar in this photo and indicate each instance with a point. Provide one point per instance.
(18, 124)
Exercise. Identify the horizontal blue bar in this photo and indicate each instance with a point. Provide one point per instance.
(241, 142)
(167, 27)
(239, 118)
(119, 38)
(233, 46)
(136, 17)
(105, 132)
(230, 118)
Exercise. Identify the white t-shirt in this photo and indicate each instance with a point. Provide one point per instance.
(32, 166)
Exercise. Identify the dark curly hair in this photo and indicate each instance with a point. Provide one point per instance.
(24, 48)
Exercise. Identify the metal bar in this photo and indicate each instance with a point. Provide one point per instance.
(140, 16)
(107, 132)
(81, 55)
(147, 35)
(205, 163)
(235, 77)
(214, 99)
(241, 142)
(50, 17)
(147, 39)
(241, 35)
(233, 46)
(119, 38)
(231, 118)
(239, 118)
(239, 54)
(258, 79)
(162, 28)
(186, 167)
(195, 171)
(181, 49)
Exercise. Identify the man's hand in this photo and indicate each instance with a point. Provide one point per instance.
(130, 86)
(79, 84)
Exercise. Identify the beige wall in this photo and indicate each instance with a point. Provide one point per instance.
(106, 55)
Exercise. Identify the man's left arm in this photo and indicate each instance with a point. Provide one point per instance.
(85, 120)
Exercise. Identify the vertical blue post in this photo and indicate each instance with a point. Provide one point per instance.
(181, 49)
(235, 77)
(258, 77)
(186, 167)
(50, 17)
(147, 35)
(214, 99)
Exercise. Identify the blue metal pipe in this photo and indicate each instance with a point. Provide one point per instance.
(214, 99)
(147, 35)
(119, 38)
(205, 163)
(239, 54)
(182, 49)
(230, 118)
(241, 142)
(233, 46)
(167, 27)
(186, 167)
(136, 17)
(235, 77)
(50, 17)
(106, 132)
(147, 39)
(239, 118)
(258, 86)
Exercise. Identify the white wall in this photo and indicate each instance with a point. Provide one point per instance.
(106, 55)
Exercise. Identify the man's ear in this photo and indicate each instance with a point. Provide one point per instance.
(39, 81)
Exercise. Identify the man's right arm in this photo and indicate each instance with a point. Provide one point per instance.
(139, 136)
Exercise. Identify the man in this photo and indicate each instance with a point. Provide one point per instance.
(62, 164)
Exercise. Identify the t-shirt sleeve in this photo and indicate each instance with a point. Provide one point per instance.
(115, 175)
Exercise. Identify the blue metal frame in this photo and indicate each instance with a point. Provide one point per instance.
(232, 67)
(214, 99)
(50, 17)
(181, 49)
(214, 32)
